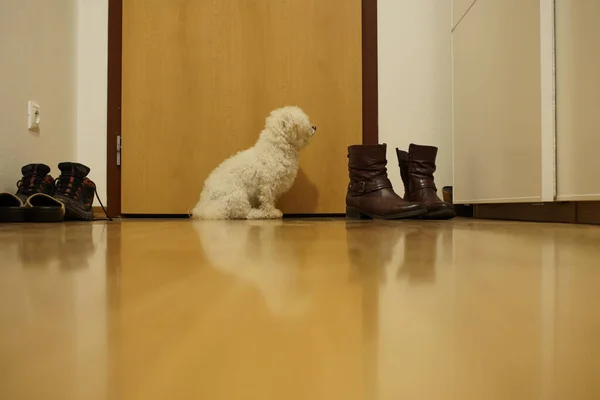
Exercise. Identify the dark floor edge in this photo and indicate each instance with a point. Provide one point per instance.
(157, 216)
(313, 216)
(575, 212)
(286, 216)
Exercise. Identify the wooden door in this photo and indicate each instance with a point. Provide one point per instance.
(200, 76)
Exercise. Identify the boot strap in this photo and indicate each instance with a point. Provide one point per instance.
(423, 185)
(370, 186)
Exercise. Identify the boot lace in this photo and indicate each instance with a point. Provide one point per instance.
(108, 218)
(29, 184)
(68, 186)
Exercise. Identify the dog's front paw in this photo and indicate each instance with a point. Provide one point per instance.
(265, 214)
(257, 214)
(275, 214)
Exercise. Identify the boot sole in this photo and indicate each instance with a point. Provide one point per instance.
(78, 215)
(354, 214)
(440, 215)
(74, 213)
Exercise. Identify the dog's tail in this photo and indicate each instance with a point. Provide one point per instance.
(209, 210)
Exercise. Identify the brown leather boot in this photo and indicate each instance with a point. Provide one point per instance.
(417, 168)
(370, 193)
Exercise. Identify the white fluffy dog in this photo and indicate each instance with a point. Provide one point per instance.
(247, 185)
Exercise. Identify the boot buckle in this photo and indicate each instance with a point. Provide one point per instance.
(359, 187)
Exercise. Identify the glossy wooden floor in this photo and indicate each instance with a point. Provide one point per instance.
(300, 310)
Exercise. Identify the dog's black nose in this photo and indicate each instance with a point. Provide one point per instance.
(314, 128)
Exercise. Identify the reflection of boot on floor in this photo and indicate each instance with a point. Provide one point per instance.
(49, 244)
(417, 167)
(80, 237)
(420, 256)
(370, 252)
(370, 193)
(39, 247)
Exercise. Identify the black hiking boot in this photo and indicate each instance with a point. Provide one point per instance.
(33, 200)
(36, 179)
(76, 191)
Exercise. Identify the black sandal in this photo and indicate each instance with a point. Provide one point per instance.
(11, 208)
(43, 208)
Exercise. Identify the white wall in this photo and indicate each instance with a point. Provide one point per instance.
(37, 62)
(92, 56)
(415, 81)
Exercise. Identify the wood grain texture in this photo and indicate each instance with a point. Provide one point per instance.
(200, 77)
(497, 106)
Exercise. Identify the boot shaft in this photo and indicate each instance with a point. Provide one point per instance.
(403, 164)
(422, 161)
(366, 162)
(367, 169)
(417, 167)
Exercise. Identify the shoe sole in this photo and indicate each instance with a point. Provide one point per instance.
(354, 214)
(42, 207)
(44, 214)
(12, 214)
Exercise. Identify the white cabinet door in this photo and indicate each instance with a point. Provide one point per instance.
(578, 99)
(501, 154)
(459, 10)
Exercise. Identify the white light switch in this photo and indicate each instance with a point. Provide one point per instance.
(33, 116)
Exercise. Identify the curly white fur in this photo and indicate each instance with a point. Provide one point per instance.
(248, 185)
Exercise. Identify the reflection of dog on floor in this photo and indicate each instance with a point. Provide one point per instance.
(260, 254)
(247, 185)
